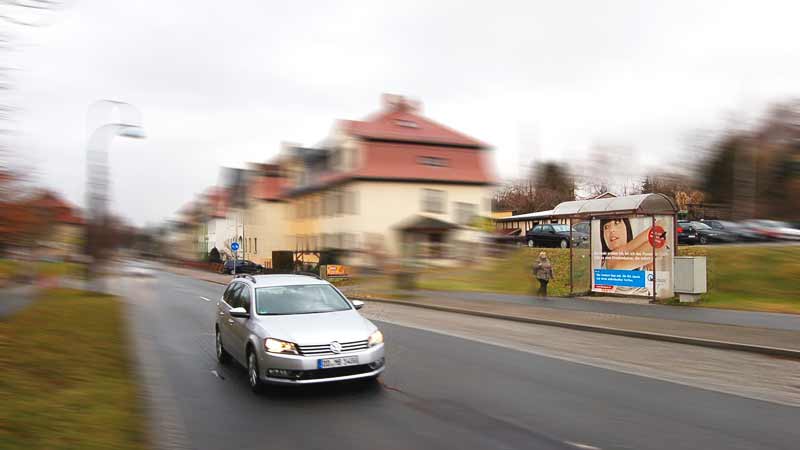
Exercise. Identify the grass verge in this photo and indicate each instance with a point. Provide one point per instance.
(751, 277)
(66, 376)
(745, 277)
(511, 274)
(9, 268)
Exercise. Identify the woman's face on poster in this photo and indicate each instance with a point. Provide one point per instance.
(615, 234)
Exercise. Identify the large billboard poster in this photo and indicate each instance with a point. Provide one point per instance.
(622, 255)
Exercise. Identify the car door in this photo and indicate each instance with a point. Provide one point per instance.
(549, 236)
(229, 299)
(238, 325)
(533, 235)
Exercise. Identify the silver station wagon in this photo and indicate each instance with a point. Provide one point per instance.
(295, 329)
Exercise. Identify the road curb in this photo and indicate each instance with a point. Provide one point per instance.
(711, 343)
(212, 281)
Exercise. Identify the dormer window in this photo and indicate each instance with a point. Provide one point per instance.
(433, 161)
(406, 123)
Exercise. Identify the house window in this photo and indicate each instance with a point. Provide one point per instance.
(465, 212)
(433, 200)
(255, 245)
(337, 240)
(351, 202)
(328, 205)
(349, 241)
(339, 202)
(406, 123)
(433, 161)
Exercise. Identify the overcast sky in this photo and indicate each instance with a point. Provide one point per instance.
(222, 83)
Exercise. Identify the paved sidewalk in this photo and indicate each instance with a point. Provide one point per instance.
(733, 337)
(219, 278)
(684, 313)
(759, 339)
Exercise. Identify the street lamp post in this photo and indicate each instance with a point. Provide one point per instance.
(97, 171)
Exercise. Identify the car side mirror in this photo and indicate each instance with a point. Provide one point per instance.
(239, 312)
(357, 304)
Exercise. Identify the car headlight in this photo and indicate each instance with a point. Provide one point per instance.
(279, 346)
(375, 338)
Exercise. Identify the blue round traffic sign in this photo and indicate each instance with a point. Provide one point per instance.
(234, 246)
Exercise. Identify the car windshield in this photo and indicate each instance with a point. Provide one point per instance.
(700, 226)
(300, 299)
(560, 228)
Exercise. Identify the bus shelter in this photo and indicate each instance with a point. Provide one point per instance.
(629, 248)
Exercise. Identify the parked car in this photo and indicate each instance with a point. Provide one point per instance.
(583, 227)
(553, 235)
(508, 237)
(295, 329)
(774, 229)
(242, 266)
(691, 232)
(740, 232)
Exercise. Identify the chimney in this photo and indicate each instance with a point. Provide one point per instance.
(396, 102)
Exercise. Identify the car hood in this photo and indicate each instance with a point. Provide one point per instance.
(317, 329)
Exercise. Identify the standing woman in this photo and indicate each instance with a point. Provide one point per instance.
(543, 271)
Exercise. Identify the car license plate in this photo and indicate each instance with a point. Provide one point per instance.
(342, 361)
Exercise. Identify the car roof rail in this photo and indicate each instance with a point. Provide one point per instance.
(245, 275)
(308, 274)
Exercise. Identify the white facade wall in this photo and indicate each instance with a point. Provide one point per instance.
(382, 206)
(265, 230)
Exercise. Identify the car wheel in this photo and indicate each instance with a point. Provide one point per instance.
(222, 356)
(564, 243)
(252, 373)
(531, 243)
(703, 240)
(232, 272)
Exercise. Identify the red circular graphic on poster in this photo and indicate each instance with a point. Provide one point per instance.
(657, 236)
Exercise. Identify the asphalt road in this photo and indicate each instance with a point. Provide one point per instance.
(439, 392)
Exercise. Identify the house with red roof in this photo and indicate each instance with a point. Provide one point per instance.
(393, 180)
(65, 225)
(264, 219)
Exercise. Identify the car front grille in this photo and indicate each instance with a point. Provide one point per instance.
(333, 373)
(325, 349)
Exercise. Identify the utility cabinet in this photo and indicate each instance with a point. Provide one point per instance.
(690, 277)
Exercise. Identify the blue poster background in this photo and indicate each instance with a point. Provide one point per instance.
(622, 278)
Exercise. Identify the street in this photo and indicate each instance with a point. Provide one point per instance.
(439, 392)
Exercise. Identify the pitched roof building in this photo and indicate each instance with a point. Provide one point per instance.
(371, 186)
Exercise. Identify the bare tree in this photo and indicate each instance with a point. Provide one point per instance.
(16, 14)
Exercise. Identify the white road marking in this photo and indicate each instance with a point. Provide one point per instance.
(205, 299)
(583, 446)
